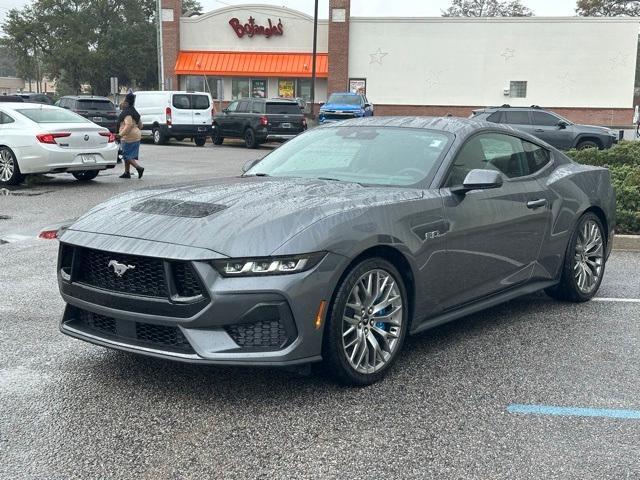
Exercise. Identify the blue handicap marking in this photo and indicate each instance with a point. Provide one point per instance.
(574, 411)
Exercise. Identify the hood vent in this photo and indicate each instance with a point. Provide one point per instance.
(177, 208)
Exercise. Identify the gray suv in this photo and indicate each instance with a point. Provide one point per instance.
(549, 126)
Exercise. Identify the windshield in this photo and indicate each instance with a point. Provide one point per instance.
(368, 155)
(51, 115)
(344, 99)
(95, 105)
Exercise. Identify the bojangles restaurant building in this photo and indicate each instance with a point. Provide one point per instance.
(583, 68)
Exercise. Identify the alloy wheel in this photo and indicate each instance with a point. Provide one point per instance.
(372, 322)
(6, 165)
(588, 257)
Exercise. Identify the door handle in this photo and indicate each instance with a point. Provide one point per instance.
(541, 202)
(539, 130)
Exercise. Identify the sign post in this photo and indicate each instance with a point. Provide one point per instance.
(114, 89)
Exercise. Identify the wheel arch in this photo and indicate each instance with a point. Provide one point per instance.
(393, 256)
(590, 138)
(599, 212)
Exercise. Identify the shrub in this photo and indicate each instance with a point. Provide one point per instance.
(623, 161)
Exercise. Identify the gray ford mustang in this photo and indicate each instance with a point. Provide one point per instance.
(337, 245)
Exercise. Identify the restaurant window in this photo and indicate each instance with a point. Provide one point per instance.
(304, 89)
(240, 88)
(287, 88)
(259, 88)
(202, 83)
(518, 89)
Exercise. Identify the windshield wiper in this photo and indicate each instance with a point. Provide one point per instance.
(339, 180)
(257, 175)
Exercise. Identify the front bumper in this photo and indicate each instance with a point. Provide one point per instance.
(240, 321)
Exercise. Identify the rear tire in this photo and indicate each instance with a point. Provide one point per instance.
(359, 348)
(9, 169)
(587, 144)
(250, 138)
(200, 141)
(85, 175)
(158, 137)
(584, 262)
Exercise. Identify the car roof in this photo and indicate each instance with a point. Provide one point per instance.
(86, 97)
(26, 105)
(348, 93)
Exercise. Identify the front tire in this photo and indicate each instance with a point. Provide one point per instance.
(584, 262)
(9, 169)
(85, 175)
(216, 136)
(250, 138)
(366, 324)
(587, 144)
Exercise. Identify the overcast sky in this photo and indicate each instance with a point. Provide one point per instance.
(369, 8)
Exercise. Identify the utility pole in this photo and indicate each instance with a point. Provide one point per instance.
(313, 59)
(159, 42)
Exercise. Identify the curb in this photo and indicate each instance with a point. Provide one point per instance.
(627, 242)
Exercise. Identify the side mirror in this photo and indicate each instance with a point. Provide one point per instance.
(479, 179)
(367, 105)
(322, 103)
(250, 164)
(562, 124)
(225, 110)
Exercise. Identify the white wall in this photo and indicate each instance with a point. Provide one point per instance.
(568, 62)
(212, 31)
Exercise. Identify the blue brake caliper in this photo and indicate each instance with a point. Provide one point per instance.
(381, 325)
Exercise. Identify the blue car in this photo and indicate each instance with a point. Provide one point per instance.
(341, 106)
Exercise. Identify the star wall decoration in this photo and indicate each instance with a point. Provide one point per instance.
(377, 57)
(508, 53)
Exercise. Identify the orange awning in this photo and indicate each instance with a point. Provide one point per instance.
(251, 64)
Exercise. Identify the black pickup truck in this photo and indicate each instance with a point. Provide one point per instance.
(259, 120)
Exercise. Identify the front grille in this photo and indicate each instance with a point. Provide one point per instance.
(186, 281)
(98, 322)
(144, 275)
(160, 337)
(269, 334)
(339, 116)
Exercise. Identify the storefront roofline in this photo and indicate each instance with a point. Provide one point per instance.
(264, 64)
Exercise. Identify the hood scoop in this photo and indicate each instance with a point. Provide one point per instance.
(177, 208)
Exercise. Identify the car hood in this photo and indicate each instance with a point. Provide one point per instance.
(340, 106)
(593, 129)
(236, 217)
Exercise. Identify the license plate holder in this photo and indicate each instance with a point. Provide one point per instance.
(285, 125)
(202, 129)
(88, 158)
(97, 119)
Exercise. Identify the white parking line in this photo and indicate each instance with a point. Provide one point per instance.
(611, 299)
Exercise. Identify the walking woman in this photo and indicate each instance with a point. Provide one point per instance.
(129, 126)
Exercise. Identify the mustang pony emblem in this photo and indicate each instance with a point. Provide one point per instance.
(120, 268)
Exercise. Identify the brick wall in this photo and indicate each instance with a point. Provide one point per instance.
(171, 42)
(589, 116)
(338, 48)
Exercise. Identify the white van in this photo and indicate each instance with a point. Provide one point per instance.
(179, 115)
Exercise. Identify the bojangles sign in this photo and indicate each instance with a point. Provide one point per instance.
(251, 28)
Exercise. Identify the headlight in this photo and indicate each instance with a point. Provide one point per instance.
(252, 267)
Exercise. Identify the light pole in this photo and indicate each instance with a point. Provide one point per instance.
(313, 59)
(159, 42)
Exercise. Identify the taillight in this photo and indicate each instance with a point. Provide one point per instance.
(111, 136)
(213, 113)
(264, 121)
(167, 113)
(50, 138)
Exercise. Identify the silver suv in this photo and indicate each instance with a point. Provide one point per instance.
(549, 126)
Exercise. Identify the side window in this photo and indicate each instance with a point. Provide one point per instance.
(182, 101)
(545, 119)
(537, 157)
(243, 106)
(4, 118)
(233, 106)
(489, 151)
(516, 117)
(257, 107)
(494, 117)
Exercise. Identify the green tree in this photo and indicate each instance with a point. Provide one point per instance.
(80, 42)
(7, 62)
(191, 7)
(608, 8)
(486, 8)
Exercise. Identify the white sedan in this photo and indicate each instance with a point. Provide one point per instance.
(46, 139)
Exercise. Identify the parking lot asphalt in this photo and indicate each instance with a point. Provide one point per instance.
(73, 410)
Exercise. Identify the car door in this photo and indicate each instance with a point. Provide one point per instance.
(181, 113)
(201, 106)
(547, 127)
(519, 119)
(494, 235)
(224, 120)
(240, 117)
